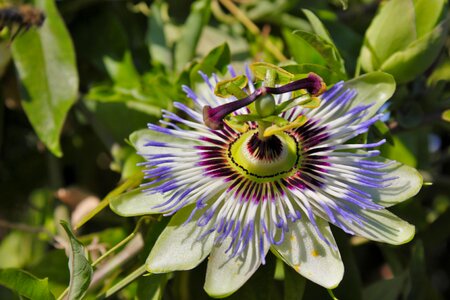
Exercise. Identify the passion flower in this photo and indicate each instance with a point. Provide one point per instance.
(238, 191)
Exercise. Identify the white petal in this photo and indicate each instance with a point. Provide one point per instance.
(179, 246)
(140, 138)
(136, 203)
(309, 255)
(225, 275)
(380, 225)
(406, 185)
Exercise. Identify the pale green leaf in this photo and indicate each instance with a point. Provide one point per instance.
(327, 50)
(392, 30)
(186, 46)
(45, 63)
(317, 26)
(412, 61)
(156, 37)
(428, 13)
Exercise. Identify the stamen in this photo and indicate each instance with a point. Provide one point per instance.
(313, 84)
(213, 117)
(267, 149)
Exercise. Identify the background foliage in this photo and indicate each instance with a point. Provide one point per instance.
(74, 89)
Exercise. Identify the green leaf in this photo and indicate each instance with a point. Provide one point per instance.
(327, 50)
(216, 60)
(328, 75)
(392, 29)
(317, 26)
(79, 267)
(301, 51)
(25, 284)
(45, 63)
(428, 14)
(232, 87)
(386, 289)
(186, 46)
(406, 64)
(156, 37)
(151, 287)
(294, 284)
(281, 76)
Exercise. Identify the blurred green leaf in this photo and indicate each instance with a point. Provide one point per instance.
(156, 37)
(428, 13)
(152, 287)
(294, 284)
(216, 60)
(392, 29)
(389, 289)
(441, 72)
(404, 149)
(406, 64)
(25, 284)
(79, 267)
(405, 38)
(446, 115)
(192, 29)
(326, 49)
(45, 63)
(317, 26)
(301, 51)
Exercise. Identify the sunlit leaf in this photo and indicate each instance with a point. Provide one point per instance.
(45, 63)
(216, 60)
(327, 50)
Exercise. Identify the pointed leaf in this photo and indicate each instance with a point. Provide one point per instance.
(79, 267)
(317, 25)
(45, 63)
(413, 60)
(392, 29)
(327, 50)
(25, 284)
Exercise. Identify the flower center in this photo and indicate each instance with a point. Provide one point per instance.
(264, 160)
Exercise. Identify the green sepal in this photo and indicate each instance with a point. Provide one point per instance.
(280, 76)
(232, 87)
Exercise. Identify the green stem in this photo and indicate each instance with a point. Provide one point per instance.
(63, 294)
(127, 280)
(131, 182)
(241, 17)
(121, 243)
